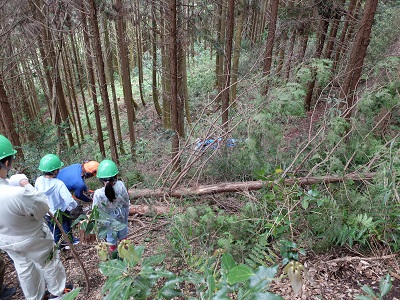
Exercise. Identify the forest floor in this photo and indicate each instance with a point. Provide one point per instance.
(335, 274)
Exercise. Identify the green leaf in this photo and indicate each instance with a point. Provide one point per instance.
(153, 260)
(227, 262)
(304, 203)
(221, 294)
(385, 285)
(169, 293)
(263, 274)
(118, 289)
(211, 285)
(267, 296)
(362, 297)
(112, 267)
(368, 290)
(110, 282)
(239, 274)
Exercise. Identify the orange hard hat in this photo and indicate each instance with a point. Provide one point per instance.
(91, 166)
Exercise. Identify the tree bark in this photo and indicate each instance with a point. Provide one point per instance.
(357, 56)
(236, 51)
(227, 65)
(92, 82)
(270, 44)
(7, 118)
(109, 50)
(102, 78)
(126, 77)
(154, 61)
(174, 84)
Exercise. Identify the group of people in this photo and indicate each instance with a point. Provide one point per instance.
(28, 233)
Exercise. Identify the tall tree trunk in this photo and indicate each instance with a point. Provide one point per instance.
(174, 84)
(349, 20)
(69, 93)
(165, 78)
(236, 50)
(69, 69)
(227, 65)
(357, 56)
(92, 82)
(154, 60)
(333, 32)
(7, 118)
(110, 71)
(288, 63)
(181, 46)
(270, 44)
(79, 72)
(139, 52)
(127, 87)
(323, 28)
(219, 58)
(102, 79)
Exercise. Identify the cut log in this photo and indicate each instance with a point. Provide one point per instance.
(146, 209)
(231, 187)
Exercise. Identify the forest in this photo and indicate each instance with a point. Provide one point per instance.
(258, 140)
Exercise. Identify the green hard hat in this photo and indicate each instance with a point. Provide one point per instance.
(50, 162)
(6, 148)
(107, 169)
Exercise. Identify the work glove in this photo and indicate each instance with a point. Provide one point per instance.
(16, 179)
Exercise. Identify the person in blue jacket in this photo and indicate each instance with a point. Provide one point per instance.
(74, 177)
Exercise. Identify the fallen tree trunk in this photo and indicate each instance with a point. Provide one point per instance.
(229, 187)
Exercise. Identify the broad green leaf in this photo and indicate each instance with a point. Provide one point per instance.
(239, 274)
(267, 296)
(304, 203)
(139, 250)
(263, 274)
(112, 267)
(153, 260)
(221, 294)
(227, 262)
(170, 293)
(211, 285)
(368, 290)
(117, 289)
(111, 281)
(362, 297)
(385, 285)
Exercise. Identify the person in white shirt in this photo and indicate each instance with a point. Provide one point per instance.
(59, 198)
(23, 233)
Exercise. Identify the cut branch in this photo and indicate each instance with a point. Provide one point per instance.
(231, 187)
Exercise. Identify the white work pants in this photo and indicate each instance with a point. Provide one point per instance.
(37, 262)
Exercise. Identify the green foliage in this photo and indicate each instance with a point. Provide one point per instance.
(358, 228)
(385, 285)
(98, 222)
(223, 278)
(318, 70)
(384, 32)
(134, 276)
(288, 100)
